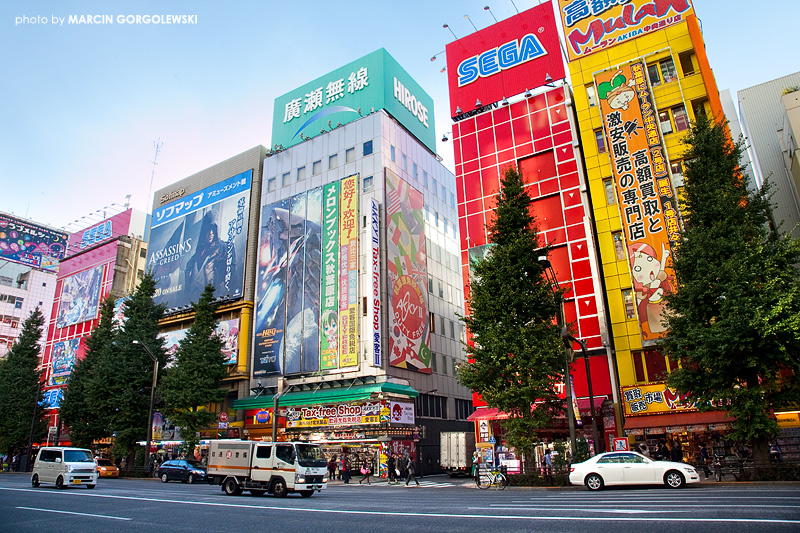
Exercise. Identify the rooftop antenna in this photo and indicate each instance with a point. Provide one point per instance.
(157, 146)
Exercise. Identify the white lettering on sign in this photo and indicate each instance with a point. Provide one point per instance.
(411, 103)
(503, 57)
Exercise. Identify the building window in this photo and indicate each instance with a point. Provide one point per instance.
(430, 406)
(432, 321)
(611, 195)
(414, 171)
(368, 183)
(681, 118)
(349, 155)
(436, 219)
(441, 295)
(464, 408)
(630, 307)
(662, 72)
(301, 173)
(453, 205)
(601, 142)
(433, 362)
(316, 168)
(656, 364)
(591, 95)
(430, 284)
(638, 367)
(272, 184)
(687, 64)
(425, 179)
(666, 124)
(286, 179)
(333, 161)
(452, 326)
(676, 170)
(405, 163)
(367, 148)
(619, 245)
(393, 154)
(699, 107)
(434, 187)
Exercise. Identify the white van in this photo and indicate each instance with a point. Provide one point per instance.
(64, 466)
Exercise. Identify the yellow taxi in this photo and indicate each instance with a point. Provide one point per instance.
(105, 468)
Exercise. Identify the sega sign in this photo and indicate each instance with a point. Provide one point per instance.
(504, 59)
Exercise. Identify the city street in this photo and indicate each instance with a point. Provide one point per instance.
(439, 504)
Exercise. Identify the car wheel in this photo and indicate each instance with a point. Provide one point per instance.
(190, 479)
(257, 493)
(231, 488)
(35, 480)
(306, 493)
(90, 487)
(164, 477)
(279, 488)
(674, 479)
(60, 483)
(594, 482)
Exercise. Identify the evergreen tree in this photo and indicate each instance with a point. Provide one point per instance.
(84, 392)
(127, 376)
(194, 381)
(516, 357)
(733, 322)
(20, 389)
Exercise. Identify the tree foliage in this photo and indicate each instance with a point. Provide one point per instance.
(515, 352)
(733, 322)
(193, 382)
(20, 391)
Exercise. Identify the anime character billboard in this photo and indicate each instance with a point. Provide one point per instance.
(201, 241)
(65, 355)
(406, 258)
(31, 244)
(649, 210)
(80, 296)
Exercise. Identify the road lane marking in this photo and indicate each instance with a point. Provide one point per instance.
(382, 513)
(499, 507)
(71, 512)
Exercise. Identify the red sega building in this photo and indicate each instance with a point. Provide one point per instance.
(501, 119)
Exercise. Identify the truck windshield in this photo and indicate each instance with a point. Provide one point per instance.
(309, 455)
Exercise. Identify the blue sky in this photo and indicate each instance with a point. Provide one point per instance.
(81, 105)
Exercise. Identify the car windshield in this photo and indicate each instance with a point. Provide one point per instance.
(104, 462)
(78, 456)
(310, 455)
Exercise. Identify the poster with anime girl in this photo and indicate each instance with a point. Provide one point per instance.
(651, 283)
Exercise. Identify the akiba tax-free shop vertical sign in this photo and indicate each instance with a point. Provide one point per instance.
(406, 264)
(374, 300)
(650, 216)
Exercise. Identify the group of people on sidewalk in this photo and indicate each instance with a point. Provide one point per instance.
(398, 467)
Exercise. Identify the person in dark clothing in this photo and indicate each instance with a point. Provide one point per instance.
(345, 469)
(390, 465)
(410, 471)
(332, 466)
(676, 454)
(704, 459)
(661, 453)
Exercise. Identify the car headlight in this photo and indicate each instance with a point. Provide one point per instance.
(68, 468)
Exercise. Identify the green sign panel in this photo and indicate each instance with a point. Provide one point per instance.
(376, 81)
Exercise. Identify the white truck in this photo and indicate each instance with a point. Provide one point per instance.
(260, 467)
(456, 452)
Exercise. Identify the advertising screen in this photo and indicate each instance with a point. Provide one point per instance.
(65, 355)
(650, 217)
(227, 331)
(504, 60)
(199, 241)
(593, 26)
(31, 244)
(406, 262)
(80, 296)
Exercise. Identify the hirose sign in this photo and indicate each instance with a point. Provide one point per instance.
(504, 59)
(376, 81)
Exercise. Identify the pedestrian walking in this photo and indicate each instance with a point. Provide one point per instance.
(391, 466)
(410, 471)
(401, 465)
(345, 466)
(548, 467)
(332, 467)
(676, 455)
(476, 464)
(366, 470)
(704, 459)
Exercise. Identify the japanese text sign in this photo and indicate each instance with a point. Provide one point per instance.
(653, 398)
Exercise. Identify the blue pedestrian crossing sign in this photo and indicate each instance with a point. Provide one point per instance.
(491, 440)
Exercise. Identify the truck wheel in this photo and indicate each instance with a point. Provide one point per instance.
(279, 488)
(231, 488)
(306, 493)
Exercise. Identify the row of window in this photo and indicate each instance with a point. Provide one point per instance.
(438, 189)
(9, 320)
(441, 329)
(432, 217)
(430, 406)
(650, 366)
(316, 167)
(11, 299)
(453, 295)
(670, 120)
(676, 170)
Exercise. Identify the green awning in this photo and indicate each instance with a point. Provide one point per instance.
(332, 395)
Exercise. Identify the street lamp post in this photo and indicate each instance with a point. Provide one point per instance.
(152, 401)
(568, 339)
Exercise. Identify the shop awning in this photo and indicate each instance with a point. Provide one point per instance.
(586, 409)
(677, 419)
(332, 395)
(487, 413)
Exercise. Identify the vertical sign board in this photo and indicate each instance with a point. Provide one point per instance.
(375, 281)
(329, 322)
(648, 207)
(406, 265)
(348, 273)
(270, 319)
(590, 27)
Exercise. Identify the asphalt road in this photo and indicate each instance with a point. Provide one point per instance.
(439, 504)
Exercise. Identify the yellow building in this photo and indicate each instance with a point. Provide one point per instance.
(668, 47)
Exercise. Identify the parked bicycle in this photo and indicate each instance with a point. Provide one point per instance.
(491, 478)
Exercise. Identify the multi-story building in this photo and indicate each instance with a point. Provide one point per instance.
(641, 75)
(29, 256)
(105, 259)
(767, 110)
(508, 111)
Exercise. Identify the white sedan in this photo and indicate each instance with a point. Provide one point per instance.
(630, 468)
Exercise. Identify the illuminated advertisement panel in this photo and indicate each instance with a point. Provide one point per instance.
(104, 231)
(348, 273)
(80, 296)
(375, 282)
(650, 217)
(593, 26)
(329, 326)
(654, 398)
(505, 59)
(31, 244)
(201, 241)
(65, 355)
(406, 262)
(270, 319)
